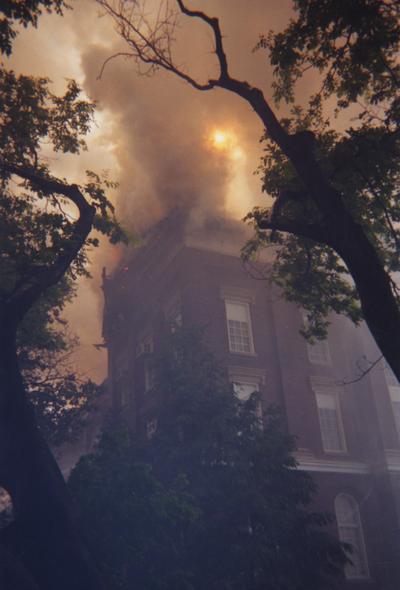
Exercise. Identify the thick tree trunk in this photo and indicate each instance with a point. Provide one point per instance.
(44, 534)
(378, 303)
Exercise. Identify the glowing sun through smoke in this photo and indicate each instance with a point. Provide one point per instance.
(222, 140)
(238, 195)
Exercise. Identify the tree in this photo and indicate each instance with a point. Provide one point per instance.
(210, 499)
(44, 244)
(24, 13)
(333, 213)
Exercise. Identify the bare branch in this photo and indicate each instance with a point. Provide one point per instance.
(214, 24)
(363, 372)
(150, 42)
(107, 61)
(49, 185)
(275, 220)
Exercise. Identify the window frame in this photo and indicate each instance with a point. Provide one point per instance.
(318, 353)
(358, 527)
(247, 375)
(335, 394)
(246, 305)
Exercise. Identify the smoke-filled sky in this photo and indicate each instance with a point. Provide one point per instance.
(164, 142)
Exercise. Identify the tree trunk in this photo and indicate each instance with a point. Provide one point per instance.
(44, 534)
(378, 303)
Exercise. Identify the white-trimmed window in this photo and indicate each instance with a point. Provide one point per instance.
(245, 383)
(319, 352)
(238, 320)
(244, 389)
(350, 531)
(330, 420)
(394, 392)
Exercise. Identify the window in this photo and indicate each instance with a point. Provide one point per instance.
(239, 327)
(350, 531)
(330, 420)
(394, 392)
(319, 352)
(245, 383)
(243, 389)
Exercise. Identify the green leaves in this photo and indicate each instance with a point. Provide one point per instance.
(32, 116)
(37, 228)
(363, 164)
(353, 45)
(211, 500)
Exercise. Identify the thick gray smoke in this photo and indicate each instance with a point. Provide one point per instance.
(153, 133)
(161, 124)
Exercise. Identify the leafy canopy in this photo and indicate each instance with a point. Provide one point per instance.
(210, 499)
(351, 48)
(23, 13)
(35, 227)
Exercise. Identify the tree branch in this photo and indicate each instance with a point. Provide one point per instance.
(275, 221)
(213, 22)
(40, 277)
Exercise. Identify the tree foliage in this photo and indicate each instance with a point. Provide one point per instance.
(23, 14)
(210, 500)
(34, 226)
(45, 229)
(353, 47)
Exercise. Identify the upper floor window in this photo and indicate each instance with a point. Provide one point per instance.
(350, 531)
(239, 326)
(244, 389)
(330, 420)
(319, 352)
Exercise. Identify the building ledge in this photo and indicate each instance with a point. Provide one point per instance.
(308, 462)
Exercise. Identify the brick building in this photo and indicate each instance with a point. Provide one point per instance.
(348, 430)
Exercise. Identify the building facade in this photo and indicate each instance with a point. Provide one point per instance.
(347, 428)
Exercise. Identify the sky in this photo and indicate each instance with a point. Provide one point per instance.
(165, 143)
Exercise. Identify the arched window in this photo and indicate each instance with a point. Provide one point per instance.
(350, 531)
